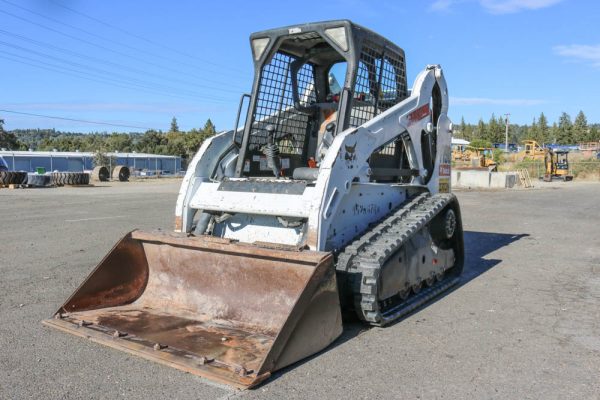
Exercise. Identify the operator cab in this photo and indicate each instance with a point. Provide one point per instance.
(562, 160)
(311, 82)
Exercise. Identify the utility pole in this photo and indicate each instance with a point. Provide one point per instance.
(506, 134)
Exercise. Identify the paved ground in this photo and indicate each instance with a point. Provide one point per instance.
(524, 324)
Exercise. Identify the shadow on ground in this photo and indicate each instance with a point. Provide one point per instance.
(478, 245)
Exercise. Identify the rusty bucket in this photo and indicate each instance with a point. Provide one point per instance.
(226, 311)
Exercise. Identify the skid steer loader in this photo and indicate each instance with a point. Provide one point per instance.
(335, 194)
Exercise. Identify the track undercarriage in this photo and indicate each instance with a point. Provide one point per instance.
(408, 258)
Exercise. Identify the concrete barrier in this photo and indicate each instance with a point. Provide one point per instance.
(503, 179)
(484, 179)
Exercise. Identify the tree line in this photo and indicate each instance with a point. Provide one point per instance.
(185, 144)
(563, 131)
(174, 142)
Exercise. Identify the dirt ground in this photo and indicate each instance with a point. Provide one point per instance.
(523, 324)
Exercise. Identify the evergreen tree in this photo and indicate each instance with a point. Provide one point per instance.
(481, 132)
(469, 132)
(466, 130)
(580, 128)
(494, 129)
(462, 128)
(209, 128)
(8, 140)
(533, 133)
(594, 134)
(553, 133)
(565, 128)
(174, 126)
(543, 129)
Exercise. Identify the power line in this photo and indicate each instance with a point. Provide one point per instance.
(78, 74)
(119, 77)
(58, 3)
(77, 120)
(119, 82)
(120, 66)
(93, 44)
(94, 34)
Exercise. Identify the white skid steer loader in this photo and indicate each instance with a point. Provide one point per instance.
(331, 196)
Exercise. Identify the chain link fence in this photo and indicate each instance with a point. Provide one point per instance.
(581, 170)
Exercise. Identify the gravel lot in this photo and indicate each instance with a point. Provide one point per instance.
(524, 324)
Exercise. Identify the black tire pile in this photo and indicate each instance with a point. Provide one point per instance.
(12, 177)
(36, 180)
(70, 178)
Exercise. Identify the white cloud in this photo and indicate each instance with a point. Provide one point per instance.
(580, 52)
(442, 5)
(478, 101)
(512, 6)
(497, 6)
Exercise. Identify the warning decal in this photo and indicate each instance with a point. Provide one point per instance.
(418, 114)
(444, 169)
(444, 185)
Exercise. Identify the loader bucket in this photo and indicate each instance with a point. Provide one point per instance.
(226, 311)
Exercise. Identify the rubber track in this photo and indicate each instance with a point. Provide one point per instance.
(364, 258)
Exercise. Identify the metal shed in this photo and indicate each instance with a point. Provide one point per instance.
(81, 161)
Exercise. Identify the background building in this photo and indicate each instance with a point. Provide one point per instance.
(81, 161)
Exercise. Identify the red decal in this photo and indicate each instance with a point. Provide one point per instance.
(444, 169)
(418, 114)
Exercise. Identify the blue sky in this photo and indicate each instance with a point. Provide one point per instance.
(139, 63)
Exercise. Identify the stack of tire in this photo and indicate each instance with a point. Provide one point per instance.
(70, 178)
(37, 180)
(12, 177)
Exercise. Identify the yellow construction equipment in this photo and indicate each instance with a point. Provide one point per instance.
(531, 151)
(557, 165)
(462, 155)
(460, 152)
(476, 158)
(485, 157)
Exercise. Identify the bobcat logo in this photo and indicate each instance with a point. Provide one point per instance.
(350, 154)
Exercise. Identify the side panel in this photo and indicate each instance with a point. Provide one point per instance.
(441, 182)
(364, 204)
(209, 197)
(348, 155)
(199, 169)
(250, 228)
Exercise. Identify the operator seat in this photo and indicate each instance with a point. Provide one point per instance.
(325, 138)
